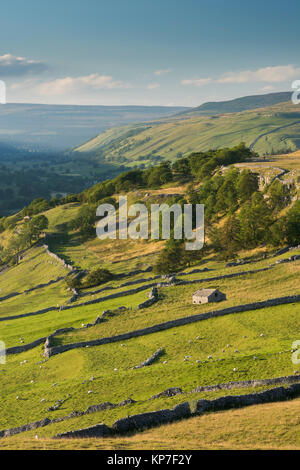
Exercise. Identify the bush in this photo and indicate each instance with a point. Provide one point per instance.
(96, 277)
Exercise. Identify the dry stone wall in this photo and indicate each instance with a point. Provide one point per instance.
(173, 323)
(181, 410)
(150, 360)
(141, 421)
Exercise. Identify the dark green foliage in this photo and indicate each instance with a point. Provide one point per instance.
(172, 257)
(247, 184)
(96, 277)
(287, 229)
(226, 240)
(37, 206)
(279, 195)
(85, 221)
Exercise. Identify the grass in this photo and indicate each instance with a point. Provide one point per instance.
(176, 302)
(186, 134)
(268, 426)
(53, 295)
(70, 370)
(41, 267)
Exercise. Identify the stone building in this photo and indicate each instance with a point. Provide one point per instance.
(202, 296)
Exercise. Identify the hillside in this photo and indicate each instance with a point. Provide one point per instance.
(76, 355)
(270, 130)
(239, 104)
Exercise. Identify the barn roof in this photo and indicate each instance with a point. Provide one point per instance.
(204, 292)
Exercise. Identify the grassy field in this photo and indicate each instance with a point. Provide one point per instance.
(271, 426)
(272, 129)
(69, 371)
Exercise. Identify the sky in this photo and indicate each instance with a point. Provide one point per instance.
(147, 52)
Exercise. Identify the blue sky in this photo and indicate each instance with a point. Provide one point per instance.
(147, 52)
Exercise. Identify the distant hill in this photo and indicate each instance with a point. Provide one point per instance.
(39, 127)
(272, 129)
(239, 104)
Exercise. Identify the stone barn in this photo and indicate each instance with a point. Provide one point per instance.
(202, 296)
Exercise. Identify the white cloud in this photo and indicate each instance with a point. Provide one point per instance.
(197, 81)
(162, 71)
(280, 73)
(153, 86)
(276, 74)
(93, 81)
(267, 88)
(17, 66)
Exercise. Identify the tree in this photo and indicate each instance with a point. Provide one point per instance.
(96, 277)
(33, 228)
(255, 221)
(247, 184)
(85, 221)
(227, 239)
(279, 195)
(172, 258)
(15, 247)
(286, 230)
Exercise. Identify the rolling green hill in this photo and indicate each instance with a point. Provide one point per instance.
(268, 130)
(239, 104)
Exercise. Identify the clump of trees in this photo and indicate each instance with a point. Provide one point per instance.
(93, 278)
(24, 238)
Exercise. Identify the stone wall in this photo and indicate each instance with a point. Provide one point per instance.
(178, 412)
(173, 323)
(57, 258)
(37, 342)
(248, 383)
(153, 297)
(99, 430)
(142, 421)
(150, 360)
(134, 291)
